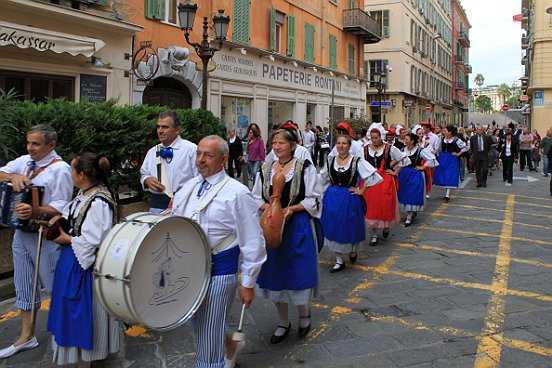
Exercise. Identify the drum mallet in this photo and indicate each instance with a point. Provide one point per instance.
(37, 268)
(239, 335)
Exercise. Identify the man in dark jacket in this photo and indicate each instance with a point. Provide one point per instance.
(480, 145)
(236, 153)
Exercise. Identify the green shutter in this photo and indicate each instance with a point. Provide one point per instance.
(351, 59)
(352, 4)
(154, 9)
(309, 43)
(272, 28)
(240, 29)
(291, 36)
(333, 51)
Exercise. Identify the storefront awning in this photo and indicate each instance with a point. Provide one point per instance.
(43, 40)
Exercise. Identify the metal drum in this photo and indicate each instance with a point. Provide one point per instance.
(153, 270)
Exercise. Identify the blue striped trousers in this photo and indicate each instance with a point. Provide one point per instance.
(24, 249)
(209, 322)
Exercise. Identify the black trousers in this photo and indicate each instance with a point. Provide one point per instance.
(508, 168)
(234, 162)
(525, 159)
(481, 168)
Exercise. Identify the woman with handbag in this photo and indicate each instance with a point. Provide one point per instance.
(255, 148)
(343, 206)
(82, 330)
(290, 273)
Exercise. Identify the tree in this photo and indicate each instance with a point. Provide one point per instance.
(483, 104)
(504, 92)
(479, 80)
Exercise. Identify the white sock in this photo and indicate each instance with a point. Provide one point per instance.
(283, 318)
(447, 193)
(338, 259)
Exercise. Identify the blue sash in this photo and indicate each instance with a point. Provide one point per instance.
(225, 262)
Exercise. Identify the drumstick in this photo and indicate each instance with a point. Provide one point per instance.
(239, 335)
(35, 280)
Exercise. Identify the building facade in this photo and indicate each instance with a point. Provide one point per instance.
(418, 44)
(71, 49)
(537, 77)
(461, 66)
(281, 60)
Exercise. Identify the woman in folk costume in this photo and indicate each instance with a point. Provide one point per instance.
(82, 330)
(412, 178)
(290, 273)
(343, 206)
(383, 208)
(447, 174)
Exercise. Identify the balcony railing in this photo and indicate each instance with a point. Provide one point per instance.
(468, 68)
(524, 42)
(463, 37)
(357, 21)
(459, 59)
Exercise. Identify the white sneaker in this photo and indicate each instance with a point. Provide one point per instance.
(12, 350)
(508, 184)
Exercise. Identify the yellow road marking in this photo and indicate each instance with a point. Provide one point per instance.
(137, 331)
(502, 195)
(471, 254)
(487, 220)
(527, 346)
(490, 347)
(44, 306)
(502, 201)
(526, 240)
(498, 210)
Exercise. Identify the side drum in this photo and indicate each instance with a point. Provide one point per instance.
(153, 270)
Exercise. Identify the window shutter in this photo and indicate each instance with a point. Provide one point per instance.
(272, 28)
(240, 29)
(333, 51)
(154, 9)
(309, 43)
(385, 24)
(291, 36)
(352, 4)
(351, 59)
(99, 2)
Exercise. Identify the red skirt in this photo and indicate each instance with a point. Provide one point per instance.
(430, 172)
(381, 199)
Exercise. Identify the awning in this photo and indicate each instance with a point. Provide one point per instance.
(43, 40)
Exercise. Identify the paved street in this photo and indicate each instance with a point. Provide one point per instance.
(467, 286)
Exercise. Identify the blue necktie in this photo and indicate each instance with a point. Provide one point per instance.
(204, 187)
(31, 165)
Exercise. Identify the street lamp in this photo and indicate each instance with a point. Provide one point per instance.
(380, 82)
(186, 15)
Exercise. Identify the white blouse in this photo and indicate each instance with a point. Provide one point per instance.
(366, 171)
(395, 153)
(427, 155)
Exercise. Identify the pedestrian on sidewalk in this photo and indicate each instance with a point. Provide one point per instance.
(525, 141)
(508, 155)
(255, 148)
(82, 330)
(480, 145)
(546, 147)
(535, 155)
(235, 158)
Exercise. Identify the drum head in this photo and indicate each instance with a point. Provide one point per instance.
(170, 273)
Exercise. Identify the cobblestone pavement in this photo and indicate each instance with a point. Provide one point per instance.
(468, 285)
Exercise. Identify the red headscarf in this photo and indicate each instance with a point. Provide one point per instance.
(344, 126)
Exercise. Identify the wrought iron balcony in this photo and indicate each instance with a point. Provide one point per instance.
(463, 37)
(524, 42)
(459, 59)
(468, 68)
(357, 21)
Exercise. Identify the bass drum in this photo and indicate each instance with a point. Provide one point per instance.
(153, 270)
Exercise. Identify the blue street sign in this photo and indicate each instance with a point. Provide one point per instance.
(383, 103)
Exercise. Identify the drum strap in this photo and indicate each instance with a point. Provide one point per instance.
(162, 173)
(206, 200)
(224, 244)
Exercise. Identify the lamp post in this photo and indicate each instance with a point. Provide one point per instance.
(380, 81)
(186, 15)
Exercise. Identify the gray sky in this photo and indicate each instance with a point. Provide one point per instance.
(495, 40)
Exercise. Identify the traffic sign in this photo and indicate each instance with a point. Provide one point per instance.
(524, 98)
(428, 107)
(505, 107)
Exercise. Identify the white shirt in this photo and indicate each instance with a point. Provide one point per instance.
(181, 169)
(434, 142)
(313, 190)
(233, 209)
(56, 179)
(308, 138)
(355, 150)
(395, 153)
(366, 171)
(426, 154)
(300, 152)
(460, 143)
(94, 228)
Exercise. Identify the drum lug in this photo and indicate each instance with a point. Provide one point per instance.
(125, 280)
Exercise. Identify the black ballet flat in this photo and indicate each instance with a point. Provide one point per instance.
(407, 223)
(447, 199)
(278, 339)
(353, 257)
(385, 233)
(334, 270)
(304, 331)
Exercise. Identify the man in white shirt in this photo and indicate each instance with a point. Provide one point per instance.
(430, 140)
(42, 167)
(168, 165)
(227, 213)
(309, 139)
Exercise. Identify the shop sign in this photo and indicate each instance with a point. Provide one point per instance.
(93, 88)
(408, 103)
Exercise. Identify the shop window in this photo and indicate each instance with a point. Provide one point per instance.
(37, 87)
(382, 17)
(333, 52)
(309, 43)
(376, 66)
(240, 20)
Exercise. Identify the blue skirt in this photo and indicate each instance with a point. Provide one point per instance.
(412, 187)
(293, 265)
(447, 174)
(342, 215)
(70, 318)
